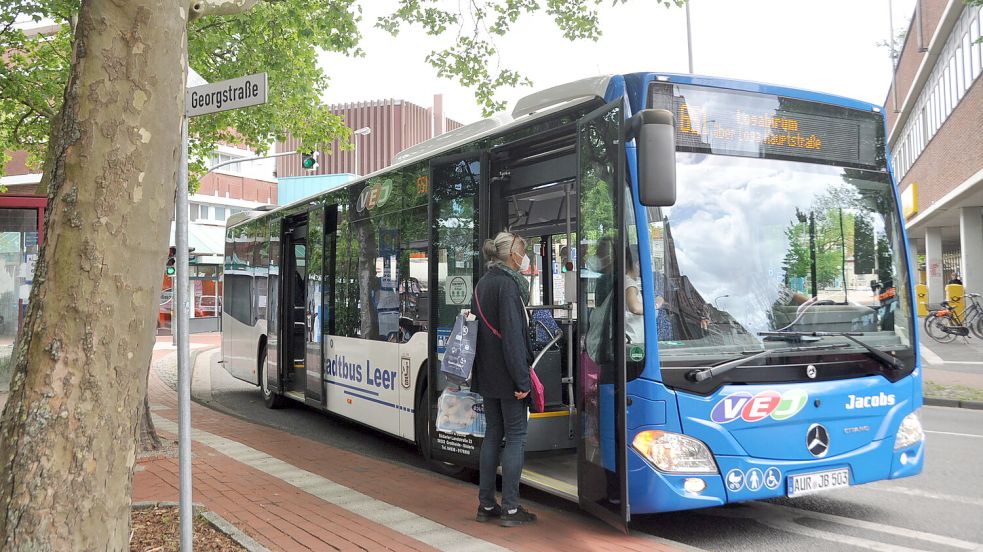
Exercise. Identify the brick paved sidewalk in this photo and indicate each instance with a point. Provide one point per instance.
(290, 493)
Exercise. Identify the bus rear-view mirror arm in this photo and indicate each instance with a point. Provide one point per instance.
(655, 138)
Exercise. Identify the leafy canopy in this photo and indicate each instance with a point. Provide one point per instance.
(281, 37)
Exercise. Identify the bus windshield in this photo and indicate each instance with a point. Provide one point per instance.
(765, 245)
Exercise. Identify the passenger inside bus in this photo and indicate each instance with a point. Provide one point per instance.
(634, 321)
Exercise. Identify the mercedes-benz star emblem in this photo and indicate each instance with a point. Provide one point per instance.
(817, 440)
(811, 371)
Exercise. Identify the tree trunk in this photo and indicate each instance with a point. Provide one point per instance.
(69, 430)
(149, 440)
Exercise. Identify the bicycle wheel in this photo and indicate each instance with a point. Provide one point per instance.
(976, 325)
(933, 327)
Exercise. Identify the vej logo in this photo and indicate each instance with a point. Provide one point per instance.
(854, 402)
(779, 406)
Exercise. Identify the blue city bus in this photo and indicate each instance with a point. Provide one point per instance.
(774, 351)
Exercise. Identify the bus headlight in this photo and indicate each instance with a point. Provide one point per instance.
(672, 452)
(910, 432)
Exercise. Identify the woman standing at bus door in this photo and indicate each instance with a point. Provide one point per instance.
(501, 375)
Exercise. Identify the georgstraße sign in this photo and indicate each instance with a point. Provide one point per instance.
(225, 95)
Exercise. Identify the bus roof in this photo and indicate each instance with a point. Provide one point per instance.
(527, 109)
(747, 86)
(558, 98)
(564, 95)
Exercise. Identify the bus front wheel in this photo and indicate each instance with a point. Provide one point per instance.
(422, 432)
(271, 399)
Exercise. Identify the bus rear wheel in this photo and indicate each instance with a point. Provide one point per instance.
(422, 432)
(270, 398)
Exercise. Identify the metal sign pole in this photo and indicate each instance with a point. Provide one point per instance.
(180, 299)
(199, 100)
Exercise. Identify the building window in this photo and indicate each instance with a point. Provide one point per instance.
(957, 66)
(975, 49)
(219, 157)
(220, 213)
(193, 212)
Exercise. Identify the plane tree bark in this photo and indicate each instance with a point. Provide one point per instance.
(69, 430)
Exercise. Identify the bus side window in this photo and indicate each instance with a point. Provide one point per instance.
(414, 271)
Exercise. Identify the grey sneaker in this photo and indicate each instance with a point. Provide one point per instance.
(485, 514)
(519, 517)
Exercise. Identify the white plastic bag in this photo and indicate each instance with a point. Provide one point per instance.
(461, 412)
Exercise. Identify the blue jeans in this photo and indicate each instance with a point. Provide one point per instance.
(503, 418)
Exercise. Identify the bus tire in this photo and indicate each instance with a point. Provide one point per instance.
(270, 398)
(421, 427)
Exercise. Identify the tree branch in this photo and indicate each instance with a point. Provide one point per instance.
(202, 8)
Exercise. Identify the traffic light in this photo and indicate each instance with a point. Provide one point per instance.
(171, 268)
(309, 160)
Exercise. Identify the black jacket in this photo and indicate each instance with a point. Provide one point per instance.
(501, 366)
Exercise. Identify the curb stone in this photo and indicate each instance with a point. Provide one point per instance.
(218, 522)
(233, 532)
(953, 403)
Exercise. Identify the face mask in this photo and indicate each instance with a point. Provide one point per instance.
(524, 266)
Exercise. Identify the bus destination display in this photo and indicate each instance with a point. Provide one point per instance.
(763, 125)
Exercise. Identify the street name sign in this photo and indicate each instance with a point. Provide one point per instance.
(224, 95)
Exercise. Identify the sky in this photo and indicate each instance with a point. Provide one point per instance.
(825, 46)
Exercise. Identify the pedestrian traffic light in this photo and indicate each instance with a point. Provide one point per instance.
(170, 268)
(309, 160)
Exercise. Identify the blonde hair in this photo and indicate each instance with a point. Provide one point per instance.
(498, 250)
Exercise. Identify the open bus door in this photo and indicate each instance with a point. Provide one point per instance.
(271, 371)
(602, 477)
(454, 269)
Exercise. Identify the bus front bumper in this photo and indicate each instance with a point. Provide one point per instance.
(743, 478)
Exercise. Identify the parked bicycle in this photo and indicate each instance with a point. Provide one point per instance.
(945, 324)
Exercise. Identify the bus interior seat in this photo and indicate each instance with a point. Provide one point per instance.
(544, 327)
(543, 330)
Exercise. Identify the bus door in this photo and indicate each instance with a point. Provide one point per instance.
(271, 372)
(601, 453)
(454, 264)
(293, 307)
(317, 231)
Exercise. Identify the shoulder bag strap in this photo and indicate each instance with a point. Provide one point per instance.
(477, 303)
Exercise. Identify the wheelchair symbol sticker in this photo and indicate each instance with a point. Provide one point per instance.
(773, 478)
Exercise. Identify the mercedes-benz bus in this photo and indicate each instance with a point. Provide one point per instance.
(775, 354)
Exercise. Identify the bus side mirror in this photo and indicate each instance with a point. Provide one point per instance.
(655, 139)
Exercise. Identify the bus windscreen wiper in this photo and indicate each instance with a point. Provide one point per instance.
(703, 374)
(884, 358)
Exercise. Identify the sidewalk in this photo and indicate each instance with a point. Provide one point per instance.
(290, 493)
(953, 370)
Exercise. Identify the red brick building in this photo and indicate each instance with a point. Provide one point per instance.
(935, 134)
(394, 126)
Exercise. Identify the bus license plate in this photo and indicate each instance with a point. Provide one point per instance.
(816, 482)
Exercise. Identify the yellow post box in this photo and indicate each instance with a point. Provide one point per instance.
(954, 295)
(921, 298)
